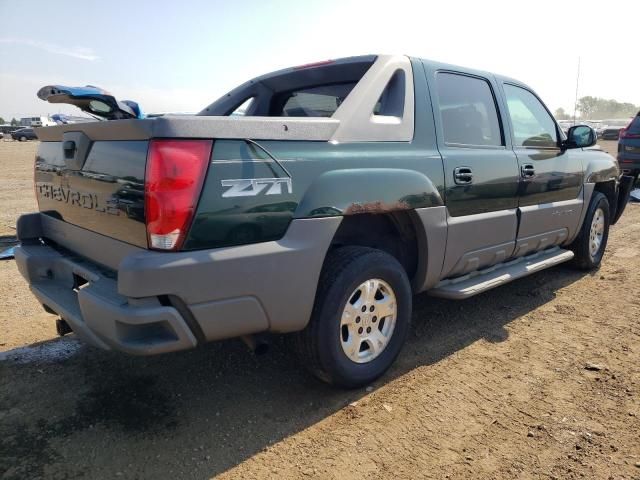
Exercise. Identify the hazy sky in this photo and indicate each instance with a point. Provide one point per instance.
(181, 55)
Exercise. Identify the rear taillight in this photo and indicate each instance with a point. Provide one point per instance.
(173, 181)
(624, 133)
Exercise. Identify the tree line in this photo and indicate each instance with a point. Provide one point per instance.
(599, 108)
(14, 122)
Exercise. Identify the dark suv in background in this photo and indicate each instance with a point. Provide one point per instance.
(24, 134)
(629, 148)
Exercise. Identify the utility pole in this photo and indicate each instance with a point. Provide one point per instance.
(575, 104)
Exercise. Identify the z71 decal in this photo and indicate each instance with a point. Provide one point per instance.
(250, 187)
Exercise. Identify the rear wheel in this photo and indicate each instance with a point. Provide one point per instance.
(591, 242)
(360, 319)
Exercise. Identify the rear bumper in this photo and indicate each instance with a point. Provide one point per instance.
(155, 302)
(629, 162)
(94, 310)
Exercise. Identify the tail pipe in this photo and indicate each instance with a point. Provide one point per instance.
(258, 343)
(62, 327)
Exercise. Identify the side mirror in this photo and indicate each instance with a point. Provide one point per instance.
(581, 136)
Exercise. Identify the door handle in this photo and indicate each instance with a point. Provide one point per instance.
(527, 171)
(462, 175)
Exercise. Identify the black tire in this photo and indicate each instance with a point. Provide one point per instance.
(319, 345)
(23, 139)
(584, 259)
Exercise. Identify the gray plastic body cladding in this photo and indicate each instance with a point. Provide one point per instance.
(560, 222)
(540, 241)
(472, 241)
(281, 275)
(51, 282)
(191, 126)
(258, 128)
(99, 248)
(358, 124)
(432, 243)
(481, 281)
(111, 130)
(96, 312)
(118, 325)
(230, 291)
(230, 318)
(551, 224)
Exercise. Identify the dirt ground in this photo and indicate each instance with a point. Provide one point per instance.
(537, 379)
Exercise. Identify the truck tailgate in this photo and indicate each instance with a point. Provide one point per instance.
(97, 185)
(92, 175)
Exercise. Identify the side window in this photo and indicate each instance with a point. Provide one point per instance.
(467, 110)
(391, 101)
(532, 124)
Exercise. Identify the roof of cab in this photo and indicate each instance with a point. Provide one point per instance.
(481, 73)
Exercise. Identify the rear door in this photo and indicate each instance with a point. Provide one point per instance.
(551, 178)
(481, 171)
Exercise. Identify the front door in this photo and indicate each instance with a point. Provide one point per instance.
(551, 178)
(481, 172)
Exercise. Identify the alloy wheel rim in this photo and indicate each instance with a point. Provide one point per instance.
(596, 233)
(368, 320)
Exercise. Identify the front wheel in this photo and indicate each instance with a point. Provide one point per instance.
(23, 138)
(591, 242)
(360, 319)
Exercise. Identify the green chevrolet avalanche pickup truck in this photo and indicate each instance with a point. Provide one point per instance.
(313, 201)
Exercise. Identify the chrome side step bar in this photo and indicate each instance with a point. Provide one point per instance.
(483, 280)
